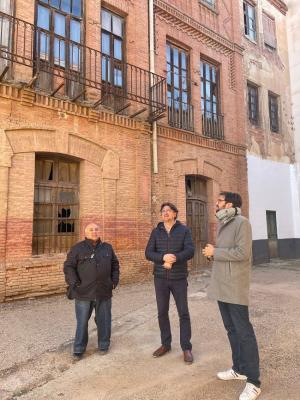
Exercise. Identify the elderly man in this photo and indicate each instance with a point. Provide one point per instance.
(170, 247)
(92, 271)
(230, 280)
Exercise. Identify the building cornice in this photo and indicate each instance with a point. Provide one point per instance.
(29, 98)
(193, 27)
(201, 141)
(280, 5)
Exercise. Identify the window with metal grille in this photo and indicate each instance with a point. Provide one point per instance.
(269, 31)
(273, 112)
(249, 20)
(178, 88)
(253, 107)
(56, 205)
(112, 47)
(59, 36)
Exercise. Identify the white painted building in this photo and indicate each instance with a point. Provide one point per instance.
(293, 29)
(272, 172)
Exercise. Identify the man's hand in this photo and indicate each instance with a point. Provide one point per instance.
(169, 258)
(208, 251)
(167, 265)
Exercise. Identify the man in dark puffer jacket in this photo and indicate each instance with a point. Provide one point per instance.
(92, 271)
(170, 247)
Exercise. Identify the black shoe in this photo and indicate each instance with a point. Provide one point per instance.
(77, 356)
(103, 352)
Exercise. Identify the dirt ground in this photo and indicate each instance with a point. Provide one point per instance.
(36, 345)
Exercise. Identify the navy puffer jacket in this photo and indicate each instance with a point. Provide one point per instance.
(178, 242)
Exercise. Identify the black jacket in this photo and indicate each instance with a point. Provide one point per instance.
(91, 271)
(178, 242)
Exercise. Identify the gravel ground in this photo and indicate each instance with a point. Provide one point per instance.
(36, 338)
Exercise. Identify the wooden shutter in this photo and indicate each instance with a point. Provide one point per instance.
(269, 31)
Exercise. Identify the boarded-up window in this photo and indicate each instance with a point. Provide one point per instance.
(269, 31)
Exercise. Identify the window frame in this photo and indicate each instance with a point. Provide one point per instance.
(247, 19)
(11, 6)
(180, 112)
(172, 86)
(115, 63)
(252, 87)
(211, 4)
(66, 39)
(52, 242)
(217, 83)
(274, 128)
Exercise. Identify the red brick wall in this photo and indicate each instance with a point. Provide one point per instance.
(117, 187)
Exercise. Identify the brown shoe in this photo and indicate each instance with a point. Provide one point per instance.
(188, 356)
(161, 351)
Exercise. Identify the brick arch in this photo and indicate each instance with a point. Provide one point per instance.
(197, 166)
(35, 140)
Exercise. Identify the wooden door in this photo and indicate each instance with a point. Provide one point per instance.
(196, 207)
(272, 234)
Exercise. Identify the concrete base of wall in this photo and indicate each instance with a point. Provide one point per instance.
(260, 250)
(287, 248)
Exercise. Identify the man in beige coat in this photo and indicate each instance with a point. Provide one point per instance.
(232, 261)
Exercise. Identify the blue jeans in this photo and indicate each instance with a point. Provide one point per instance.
(83, 311)
(242, 340)
(178, 288)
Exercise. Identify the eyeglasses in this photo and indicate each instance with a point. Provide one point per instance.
(220, 200)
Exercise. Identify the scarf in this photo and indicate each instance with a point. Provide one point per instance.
(227, 214)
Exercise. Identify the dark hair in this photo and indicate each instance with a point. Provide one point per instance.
(171, 205)
(231, 197)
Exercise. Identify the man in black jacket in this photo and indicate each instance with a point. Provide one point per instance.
(170, 247)
(92, 271)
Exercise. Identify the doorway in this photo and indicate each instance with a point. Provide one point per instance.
(196, 214)
(272, 233)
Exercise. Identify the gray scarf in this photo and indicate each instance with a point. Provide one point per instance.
(227, 214)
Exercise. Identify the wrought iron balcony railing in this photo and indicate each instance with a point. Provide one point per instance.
(180, 115)
(57, 62)
(213, 125)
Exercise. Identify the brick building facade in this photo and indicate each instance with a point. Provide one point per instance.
(82, 116)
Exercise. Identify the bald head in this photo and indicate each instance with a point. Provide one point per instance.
(92, 232)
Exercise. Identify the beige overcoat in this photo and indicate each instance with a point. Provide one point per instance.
(232, 263)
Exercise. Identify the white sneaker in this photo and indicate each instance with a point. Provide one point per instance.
(251, 392)
(229, 375)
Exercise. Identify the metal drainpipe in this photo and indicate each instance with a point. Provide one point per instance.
(152, 69)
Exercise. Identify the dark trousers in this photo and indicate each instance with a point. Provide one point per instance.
(178, 288)
(83, 311)
(242, 340)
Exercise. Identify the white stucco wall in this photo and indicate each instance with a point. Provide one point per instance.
(272, 186)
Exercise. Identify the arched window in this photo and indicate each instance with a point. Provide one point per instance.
(56, 204)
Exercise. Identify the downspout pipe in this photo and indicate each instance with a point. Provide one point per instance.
(152, 70)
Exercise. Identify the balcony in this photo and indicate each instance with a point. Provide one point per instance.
(180, 115)
(61, 67)
(213, 125)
